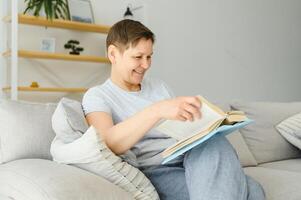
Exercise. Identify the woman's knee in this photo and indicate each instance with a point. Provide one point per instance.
(220, 143)
(217, 144)
(215, 150)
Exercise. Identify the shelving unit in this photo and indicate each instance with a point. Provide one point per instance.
(48, 89)
(14, 53)
(59, 23)
(57, 56)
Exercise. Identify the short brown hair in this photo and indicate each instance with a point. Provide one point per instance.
(128, 32)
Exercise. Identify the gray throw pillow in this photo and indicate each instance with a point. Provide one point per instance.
(25, 130)
(68, 120)
(262, 138)
(89, 152)
(290, 129)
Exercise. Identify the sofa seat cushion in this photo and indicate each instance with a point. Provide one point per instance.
(293, 165)
(277, 184)
(37, 179)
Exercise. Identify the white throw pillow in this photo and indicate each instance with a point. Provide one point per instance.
(290, 129)
(88, 151)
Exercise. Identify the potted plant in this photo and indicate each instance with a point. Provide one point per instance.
(52, 8)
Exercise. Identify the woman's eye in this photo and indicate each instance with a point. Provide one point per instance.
(138, 57)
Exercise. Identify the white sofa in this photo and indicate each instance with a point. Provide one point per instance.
(27, 172)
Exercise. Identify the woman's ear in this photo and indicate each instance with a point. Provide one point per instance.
(112, 50)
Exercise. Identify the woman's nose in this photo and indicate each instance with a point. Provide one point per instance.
(145, 63)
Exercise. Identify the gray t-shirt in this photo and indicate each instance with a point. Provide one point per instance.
(122, 104)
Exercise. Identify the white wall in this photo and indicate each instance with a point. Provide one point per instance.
(223, 50)
(230, 49)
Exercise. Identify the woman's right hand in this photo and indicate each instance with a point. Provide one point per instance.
(179, 108)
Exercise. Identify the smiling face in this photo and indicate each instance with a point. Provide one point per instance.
(130, 65)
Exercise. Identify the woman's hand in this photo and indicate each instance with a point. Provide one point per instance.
(179, 108)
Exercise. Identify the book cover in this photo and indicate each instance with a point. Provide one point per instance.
(222, 130)
(214, 121)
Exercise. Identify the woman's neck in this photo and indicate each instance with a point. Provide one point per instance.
(125, 85)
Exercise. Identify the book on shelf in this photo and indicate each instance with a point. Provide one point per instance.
(214, 121)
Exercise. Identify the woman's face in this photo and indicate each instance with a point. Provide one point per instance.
(132, 64)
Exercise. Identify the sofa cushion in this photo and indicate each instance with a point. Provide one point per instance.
(290, 129)
(277, 184)
(262, 138)
(91, 154)
(68, 120)
(293, 165)
(88, 151)
(25, 130)
(37, 179)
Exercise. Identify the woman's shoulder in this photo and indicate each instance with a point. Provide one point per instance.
(157, 85)
(97, 90)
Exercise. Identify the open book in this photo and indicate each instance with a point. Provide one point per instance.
(190, 134)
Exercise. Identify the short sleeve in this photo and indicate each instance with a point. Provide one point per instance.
(94, 101)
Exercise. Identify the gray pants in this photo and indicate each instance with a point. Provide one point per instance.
(210, 171)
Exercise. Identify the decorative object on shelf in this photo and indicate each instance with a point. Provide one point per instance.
(72, 44)
(52, 8)
(34, 84)
(48, 45)
(81, 11)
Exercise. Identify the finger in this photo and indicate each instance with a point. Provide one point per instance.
(195, 101)
(187, 115)
(194, 111)
(182, 118)
(180, 115)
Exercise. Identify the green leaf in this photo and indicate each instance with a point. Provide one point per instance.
(52, 8)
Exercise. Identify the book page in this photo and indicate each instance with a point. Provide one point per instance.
(181, 130)
(182, 143)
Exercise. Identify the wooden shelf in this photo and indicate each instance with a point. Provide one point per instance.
(45, 89)
(60, 23)
(58, 56)
(55, 23)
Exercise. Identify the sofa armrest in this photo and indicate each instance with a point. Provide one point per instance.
(38, 179)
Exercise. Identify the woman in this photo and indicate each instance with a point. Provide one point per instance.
(128, 105)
